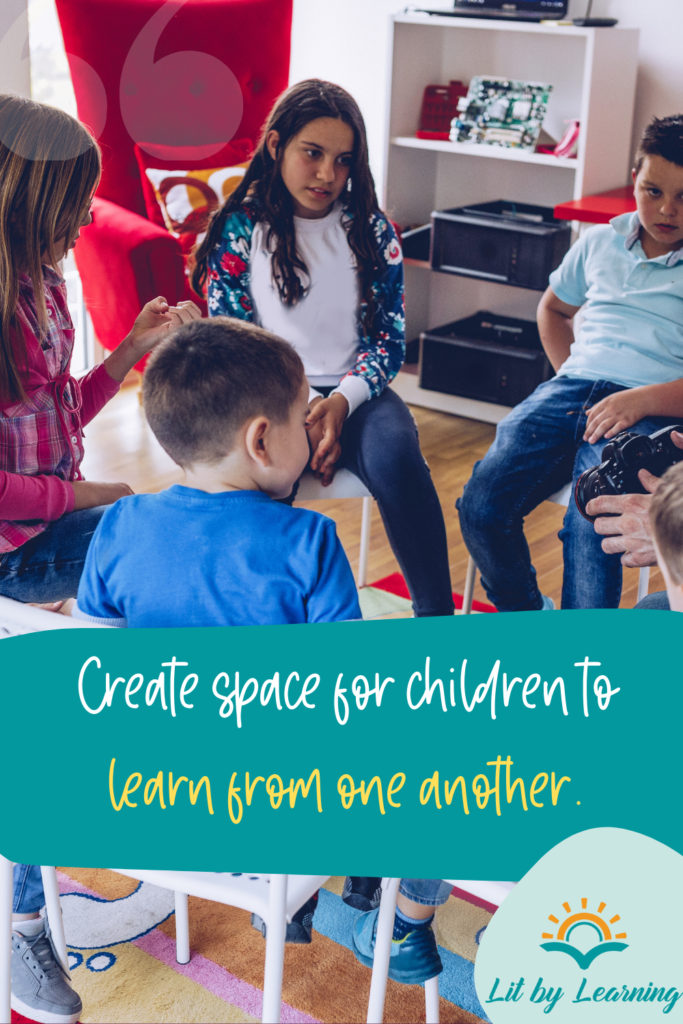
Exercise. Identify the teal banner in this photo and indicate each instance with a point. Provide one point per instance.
(463, 747)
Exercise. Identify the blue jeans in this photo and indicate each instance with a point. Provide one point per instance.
(49, 566)
(657, 602)
(28, 895)
(380, 445)
(430, 892)
(538, 449)
(46, 568)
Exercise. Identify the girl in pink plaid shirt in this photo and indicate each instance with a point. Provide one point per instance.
(49, 170)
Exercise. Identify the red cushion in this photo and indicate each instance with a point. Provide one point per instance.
(174, 158)
(124, 261)
(141, 51)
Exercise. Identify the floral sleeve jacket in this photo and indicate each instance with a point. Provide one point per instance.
(381, 344)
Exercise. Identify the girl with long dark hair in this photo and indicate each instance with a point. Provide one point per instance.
(302, 248)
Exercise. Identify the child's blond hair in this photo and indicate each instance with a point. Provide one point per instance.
(666, 517)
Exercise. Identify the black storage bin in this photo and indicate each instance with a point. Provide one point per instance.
(488, 357)
(509, 243)
(416, 243)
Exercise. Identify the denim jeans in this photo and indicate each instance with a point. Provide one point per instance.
(28, 894)
(46, 568)
(657, 602)
(430, 892)
(49, 566)
(538, 449)
(380, 445)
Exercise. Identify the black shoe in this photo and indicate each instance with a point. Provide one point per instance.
(362, 893)
(299, 929)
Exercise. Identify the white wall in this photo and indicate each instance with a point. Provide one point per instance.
(345, 41)
(15, 72)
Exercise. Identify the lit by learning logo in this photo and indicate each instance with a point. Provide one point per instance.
(586, 919)
(624, 897)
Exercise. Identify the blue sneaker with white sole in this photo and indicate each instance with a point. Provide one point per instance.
(414, 958)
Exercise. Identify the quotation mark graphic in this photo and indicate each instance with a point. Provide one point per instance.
(187, 98)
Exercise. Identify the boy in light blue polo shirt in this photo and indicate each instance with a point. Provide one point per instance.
(623, 370)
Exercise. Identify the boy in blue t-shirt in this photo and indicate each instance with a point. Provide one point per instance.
(622, 371)
(228, 401)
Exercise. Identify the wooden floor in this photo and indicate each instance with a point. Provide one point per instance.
(120, 446)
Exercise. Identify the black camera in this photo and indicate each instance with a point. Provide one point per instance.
(623, 457)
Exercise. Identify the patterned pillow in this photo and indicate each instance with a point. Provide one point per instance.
(187, 198)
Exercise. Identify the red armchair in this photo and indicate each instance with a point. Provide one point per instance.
(166, 73)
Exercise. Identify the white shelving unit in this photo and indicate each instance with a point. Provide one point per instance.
(593, 73)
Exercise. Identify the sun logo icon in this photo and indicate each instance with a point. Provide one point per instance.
(584, 919)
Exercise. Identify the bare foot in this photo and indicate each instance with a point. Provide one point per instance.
(53, 606)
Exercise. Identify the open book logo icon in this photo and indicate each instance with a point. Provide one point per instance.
(605, 942)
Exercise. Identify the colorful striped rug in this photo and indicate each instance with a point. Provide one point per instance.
(122, 953)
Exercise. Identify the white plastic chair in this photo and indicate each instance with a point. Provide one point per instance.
(17, 619)
(344, 485)
(275, 898)
(54, 916)
(492, 892)
(561, 497)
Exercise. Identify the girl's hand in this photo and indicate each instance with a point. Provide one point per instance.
(154, 322)
(156, 319)
(615, 413)
(324, 423)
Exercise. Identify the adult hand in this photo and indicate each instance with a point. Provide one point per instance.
(153, 323)
(90, 494)
(628, 530)
(615, 413)
(324, 424)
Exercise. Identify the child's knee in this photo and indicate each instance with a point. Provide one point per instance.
(478, 506)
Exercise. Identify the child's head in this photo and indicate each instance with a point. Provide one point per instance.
(658, 180)
(49, 169)
(229, 400)
(666, 517)
(313, 150)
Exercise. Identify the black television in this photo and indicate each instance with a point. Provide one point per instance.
(510, 10)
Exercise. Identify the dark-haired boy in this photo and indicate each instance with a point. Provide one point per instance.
(228, 401)
(622, 371)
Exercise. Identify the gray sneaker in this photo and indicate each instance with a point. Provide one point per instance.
(41, 990)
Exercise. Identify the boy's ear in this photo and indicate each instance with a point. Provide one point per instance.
(256, 441)
(272, 142)
(634, 175)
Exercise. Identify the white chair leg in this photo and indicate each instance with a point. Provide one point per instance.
(182, 929)
(380, 965)
(432, 1000)
(469, 587)
(53, 910)
(275, 949)
(364, 543)
(6, 894)
(643, 583)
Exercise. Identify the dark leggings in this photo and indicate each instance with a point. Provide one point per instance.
(380, 445)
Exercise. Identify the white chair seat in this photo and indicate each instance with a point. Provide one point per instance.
(17, 619)
(247, 891)
(344, 485)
